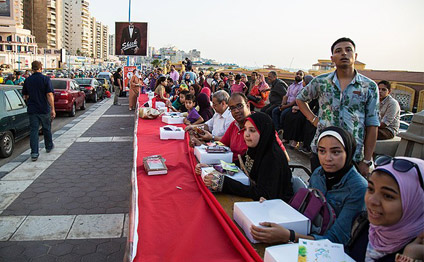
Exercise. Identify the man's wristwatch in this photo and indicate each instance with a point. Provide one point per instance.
(367, 162)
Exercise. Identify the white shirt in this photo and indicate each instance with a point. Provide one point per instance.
(218, 124)
(131, 29)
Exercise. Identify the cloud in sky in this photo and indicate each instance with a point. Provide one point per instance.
(388, 33)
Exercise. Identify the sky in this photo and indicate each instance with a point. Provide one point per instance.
(389, 34)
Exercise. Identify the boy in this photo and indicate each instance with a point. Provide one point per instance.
(193, 116)
(179, 103)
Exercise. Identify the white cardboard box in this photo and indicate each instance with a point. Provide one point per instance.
(239, 176)
(211, 158)
(175, 133)
(287, 253)
(277, 211)
(176, 118)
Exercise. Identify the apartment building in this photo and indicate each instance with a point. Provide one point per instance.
(77, 32)
(44, 19)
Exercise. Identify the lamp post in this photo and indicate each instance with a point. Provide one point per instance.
(129, 21)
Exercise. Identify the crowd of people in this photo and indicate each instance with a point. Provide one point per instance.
(337, 118)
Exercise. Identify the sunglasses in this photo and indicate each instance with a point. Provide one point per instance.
(399, 164)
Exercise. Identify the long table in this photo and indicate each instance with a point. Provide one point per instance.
(175, 217)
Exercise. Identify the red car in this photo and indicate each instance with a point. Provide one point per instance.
(67, 95)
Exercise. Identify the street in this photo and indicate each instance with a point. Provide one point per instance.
(60, 121)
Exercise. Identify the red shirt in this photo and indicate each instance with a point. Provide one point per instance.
(233, 138)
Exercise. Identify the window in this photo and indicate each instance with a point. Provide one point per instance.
(14, 100)
(9, 38)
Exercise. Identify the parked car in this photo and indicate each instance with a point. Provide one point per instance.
(14, 121)
(106, 75)
(403, 126)
(105, 84)
(93, 90)
(68, 96)
(50, 74)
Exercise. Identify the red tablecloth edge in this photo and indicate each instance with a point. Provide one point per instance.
(234, 234)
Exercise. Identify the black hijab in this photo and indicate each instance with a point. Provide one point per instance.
(270, 168)
(349, 142)
(205, 109)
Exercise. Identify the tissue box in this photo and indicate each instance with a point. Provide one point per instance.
(175, 133)
(276, 210)
(172, 118)
(211, 158)
(239, 176)
(290, 252)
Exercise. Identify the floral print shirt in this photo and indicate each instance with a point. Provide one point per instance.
(353, 109)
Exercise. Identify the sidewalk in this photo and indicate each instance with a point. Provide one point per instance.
(72, 204)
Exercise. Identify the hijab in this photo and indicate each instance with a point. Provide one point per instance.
(270, 162)
(207, 91)
(205, 109)
(261, 83)
(349, 145)
(390, 239)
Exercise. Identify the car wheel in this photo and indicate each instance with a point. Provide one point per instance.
(7, 143)
(83, 106)
(95, 97)
(73, 110)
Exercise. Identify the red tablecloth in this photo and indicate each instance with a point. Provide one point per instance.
(185, 224)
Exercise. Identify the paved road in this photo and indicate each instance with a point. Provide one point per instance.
(60, 121)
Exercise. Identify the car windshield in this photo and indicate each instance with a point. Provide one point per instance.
(81, 81)
(101, 80)
(59, 84)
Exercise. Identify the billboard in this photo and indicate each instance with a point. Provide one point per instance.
(6, 12)
(128, 73)
(131, 38)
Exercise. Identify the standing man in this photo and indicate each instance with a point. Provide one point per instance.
(174, 74)
(289, 100)
(38, 92)
(389, 112)
(188, 64)
(346, 99)
(117, 82)
(278, 90)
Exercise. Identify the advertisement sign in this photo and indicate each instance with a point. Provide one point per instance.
(157, 56)
(130, 38)
(7, 10)
(128, 73)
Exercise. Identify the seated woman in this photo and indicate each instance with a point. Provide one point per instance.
(339, 181)
(160, 92)
(265, 161)
(395, 212)
(259, 93)
(205, 109)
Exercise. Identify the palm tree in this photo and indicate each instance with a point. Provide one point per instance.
(156, 63)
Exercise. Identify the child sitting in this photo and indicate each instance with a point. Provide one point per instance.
(179, 103)
(193, 116)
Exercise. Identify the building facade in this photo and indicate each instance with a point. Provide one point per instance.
(44, 19)
(77, 35)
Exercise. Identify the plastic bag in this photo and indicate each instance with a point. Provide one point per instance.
(148, 113)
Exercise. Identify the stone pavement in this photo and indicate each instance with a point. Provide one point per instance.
(73, 203)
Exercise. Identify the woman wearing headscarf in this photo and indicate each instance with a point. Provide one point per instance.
(338, 180)
(205, 109)
(194, 90)
(395, 213)
(258, 93)
(265, 161)
(135, 84)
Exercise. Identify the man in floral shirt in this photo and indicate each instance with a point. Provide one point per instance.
(348, 100)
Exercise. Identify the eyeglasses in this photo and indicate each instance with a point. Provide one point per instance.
(236, 107)
(399, 164)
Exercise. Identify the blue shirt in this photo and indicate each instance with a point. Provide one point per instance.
(353, 109)
(37, 86)
(347, 200)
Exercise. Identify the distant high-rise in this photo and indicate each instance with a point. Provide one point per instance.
(99, 43)
(111, 44)
(77, 36)
(44, 19)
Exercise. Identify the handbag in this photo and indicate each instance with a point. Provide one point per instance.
(148, 113)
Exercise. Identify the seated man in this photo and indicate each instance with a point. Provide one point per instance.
(389, 112)
(215, 127)
(289, 100)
